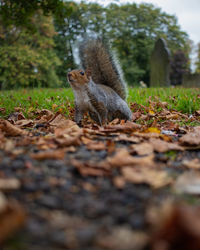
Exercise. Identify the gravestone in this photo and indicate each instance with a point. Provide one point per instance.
(191, 81)
(160, 65)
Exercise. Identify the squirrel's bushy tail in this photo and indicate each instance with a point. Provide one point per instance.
(96, 55)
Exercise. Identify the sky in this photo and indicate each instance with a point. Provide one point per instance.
(187, 12)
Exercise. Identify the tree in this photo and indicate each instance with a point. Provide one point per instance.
(197, 63)
(28, 59)
(179, 67)
(20, 12)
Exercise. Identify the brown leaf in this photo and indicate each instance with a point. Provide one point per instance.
(51, 154)
(128, 127)
(12, 217)
(91, 168)
(16, 116)
(10, 129)
(123, 158)
(24, 123)
(144, 148)
(136, 115)
(2, 109)
(156, 179)
(188, 182)
(194, 164)
(122, 238)
(119, 182)
(124, 137)
(180, 229)
(9, 184)
(191, 138)
(96, 145)
(45, 114)
(163, 146)
(68, 141)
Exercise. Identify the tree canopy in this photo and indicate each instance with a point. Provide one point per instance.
(132, 30)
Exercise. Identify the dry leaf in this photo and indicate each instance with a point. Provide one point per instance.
(144, 148)
(194, 164)
(156, 179)
(124, 137)
(127, 127)
(163, 146)
(123, 158)
(119, 182)
(122, 238)
(52, 154)
(24, 123)
(191, 138)
(12, 217)
(180, 229)
(9, 184)
(68, 141)
(10, 129)
(15, 117)
(96, 145)
(188, 182)
(91, 168)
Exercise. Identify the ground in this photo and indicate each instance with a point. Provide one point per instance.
(127, 185)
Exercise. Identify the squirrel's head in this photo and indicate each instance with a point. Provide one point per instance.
(79, 78)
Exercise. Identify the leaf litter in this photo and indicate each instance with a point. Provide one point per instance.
(119, 158)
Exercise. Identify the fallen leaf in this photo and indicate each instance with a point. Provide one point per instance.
(68, 140)
(91, 168)
(119, 182)
(191, 138)
(9, 184)
(24, 123)
(194, 164)
(127, 127)
(179, 229)
(51, 154)
(11, 129)
(2, 110)
(16, 116)
(124, 137)
(152, 130)
(163, 146)
(144, 148)
(121, 238)
(12, 217)
(96, 145)
(123, 158)
(155, 178)
(188, 182)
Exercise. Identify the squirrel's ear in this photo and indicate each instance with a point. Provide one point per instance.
(88, 73)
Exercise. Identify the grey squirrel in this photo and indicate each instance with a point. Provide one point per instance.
(99, 88)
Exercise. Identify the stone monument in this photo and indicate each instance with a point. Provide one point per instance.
(160, 65)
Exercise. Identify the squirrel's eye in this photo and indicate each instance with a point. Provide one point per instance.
(82, 73)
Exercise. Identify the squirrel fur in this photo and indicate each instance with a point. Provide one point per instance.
(99, 88)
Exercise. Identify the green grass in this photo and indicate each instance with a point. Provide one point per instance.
(180, 99)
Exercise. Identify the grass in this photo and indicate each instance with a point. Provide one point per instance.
(180, 99)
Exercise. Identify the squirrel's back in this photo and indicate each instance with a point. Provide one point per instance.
(95, 55)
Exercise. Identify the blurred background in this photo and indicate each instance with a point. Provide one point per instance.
(38, 38)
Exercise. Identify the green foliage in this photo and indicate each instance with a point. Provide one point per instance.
(28, 59)
(131, 28)
(20, 12)
(32, 54)
(197, 63)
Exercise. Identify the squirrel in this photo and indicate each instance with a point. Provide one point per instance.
(99, 88)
